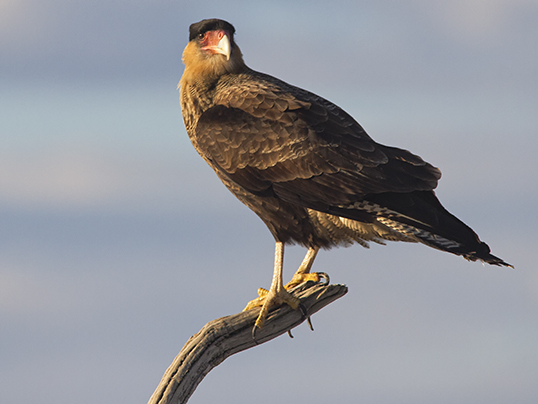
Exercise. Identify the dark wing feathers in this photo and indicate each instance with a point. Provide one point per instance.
(306, 150)
(277, 140)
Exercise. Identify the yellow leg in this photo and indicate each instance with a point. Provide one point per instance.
(277, 293)
(303, 273)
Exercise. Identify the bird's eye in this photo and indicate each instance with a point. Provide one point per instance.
(201, 36)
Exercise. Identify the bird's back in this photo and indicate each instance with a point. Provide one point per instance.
(310, 171)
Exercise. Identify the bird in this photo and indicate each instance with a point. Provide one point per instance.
(306, 167)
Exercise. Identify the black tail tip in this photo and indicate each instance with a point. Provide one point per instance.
(499, 262)
(484, 255)
(489, 259)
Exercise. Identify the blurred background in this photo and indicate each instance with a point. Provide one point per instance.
(117, 242)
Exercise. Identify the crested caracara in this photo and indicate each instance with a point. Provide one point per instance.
(305, 166)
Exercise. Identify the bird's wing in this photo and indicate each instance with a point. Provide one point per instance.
(302, 148)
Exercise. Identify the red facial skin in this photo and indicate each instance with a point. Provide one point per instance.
(211, 39)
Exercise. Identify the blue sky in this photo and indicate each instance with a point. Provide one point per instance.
(117, 242)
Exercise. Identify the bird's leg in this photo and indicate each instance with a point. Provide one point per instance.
(276, 295)
(303, 273)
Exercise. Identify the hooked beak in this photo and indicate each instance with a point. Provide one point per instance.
(218, 42)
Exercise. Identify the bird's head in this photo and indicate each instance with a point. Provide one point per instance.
(211, 51)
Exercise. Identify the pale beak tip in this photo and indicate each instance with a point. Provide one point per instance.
(224, 46)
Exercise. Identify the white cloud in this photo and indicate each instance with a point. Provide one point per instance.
(476, 20)
(81, 179)
(75, 178)
(25, 293)
(24, 23)
(64, 178)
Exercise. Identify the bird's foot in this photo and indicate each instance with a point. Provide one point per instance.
(258, 302)
(301, 277)
(268, 299)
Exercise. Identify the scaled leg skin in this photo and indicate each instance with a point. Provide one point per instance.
(303, 273)
(277, 293)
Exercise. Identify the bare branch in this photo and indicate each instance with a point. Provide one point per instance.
(228, 335)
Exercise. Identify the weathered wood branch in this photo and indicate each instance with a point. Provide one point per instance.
(228, 335)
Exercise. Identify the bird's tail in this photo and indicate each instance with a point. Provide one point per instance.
(421, 216)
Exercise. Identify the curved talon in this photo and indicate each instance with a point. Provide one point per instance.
(325, 277)
(309, 321)
(305, 314)
(289, 333)
(300, 278)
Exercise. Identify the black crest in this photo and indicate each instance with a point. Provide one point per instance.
(210, 25)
